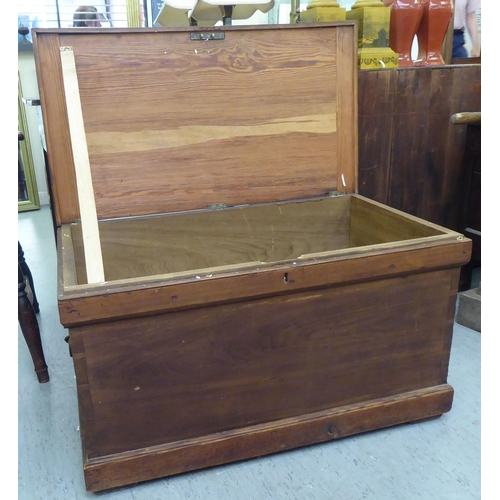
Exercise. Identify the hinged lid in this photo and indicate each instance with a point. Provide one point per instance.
(173, 122)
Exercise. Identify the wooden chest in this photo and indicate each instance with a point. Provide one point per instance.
(227, 292)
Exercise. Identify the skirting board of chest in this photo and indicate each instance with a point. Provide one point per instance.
(227, 292)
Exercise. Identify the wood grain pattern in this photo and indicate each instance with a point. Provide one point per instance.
(407, 181)
(372, 224)
(313, 319)
(189, 374)
(423, 179)
(86, 202)
(50, 82)
(429, 455)
(89, 305)
(178, 243)
(347, 163)
(376, 108)
(312, 243)
(410, 153)
(203, 120)
(211, 242)
(258, 440)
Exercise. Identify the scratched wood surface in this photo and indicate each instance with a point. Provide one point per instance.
(175, 124)
(410, 154)
(270, 233)
(194, 373)
(429, 455)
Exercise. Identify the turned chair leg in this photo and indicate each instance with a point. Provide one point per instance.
(26, 272)
(29, 327)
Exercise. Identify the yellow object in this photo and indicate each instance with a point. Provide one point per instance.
(377, 58)
(134, 14)
(373, 34)
(323, 3)
(322, 11)
(367, 3)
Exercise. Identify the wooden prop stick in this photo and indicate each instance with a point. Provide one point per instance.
(86, 200)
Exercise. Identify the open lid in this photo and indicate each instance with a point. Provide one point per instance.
(181, 118)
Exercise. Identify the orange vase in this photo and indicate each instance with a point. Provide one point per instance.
(432, 30)
(406, 16)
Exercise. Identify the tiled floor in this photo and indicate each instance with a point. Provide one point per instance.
(433, 460)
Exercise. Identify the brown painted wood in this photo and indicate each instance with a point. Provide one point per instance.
(30, 329)
(57, 136)
(392, 243)
(407, 180)
(177, 243)
(410, 155)
(258, 440)
(189, 374)
(136, 300)
(376, 109)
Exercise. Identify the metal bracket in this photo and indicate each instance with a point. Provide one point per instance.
(219, 35)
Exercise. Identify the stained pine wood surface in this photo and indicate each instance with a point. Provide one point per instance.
(190, 379)
(421, 460)
(190, 374)
(271, 233)
(346, 239)
(100, 394)
(175, 124)
(185, 242)
(410, 154)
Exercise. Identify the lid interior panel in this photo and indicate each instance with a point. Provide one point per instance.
(176, 124)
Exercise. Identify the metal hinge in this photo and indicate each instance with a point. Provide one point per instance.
(220, 35)
(334, 194)
(216, 206)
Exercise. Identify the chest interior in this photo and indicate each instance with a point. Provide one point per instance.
(216, 241)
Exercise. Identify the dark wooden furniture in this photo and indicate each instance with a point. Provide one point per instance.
(251, 301)
(410, 154)
(470, 223)
(26, 271)
(28, 307)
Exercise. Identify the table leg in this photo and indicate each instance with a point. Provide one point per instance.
(30, 329)
(27, 272)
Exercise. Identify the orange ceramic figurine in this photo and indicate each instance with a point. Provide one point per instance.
(406, 16)
(432, 30)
